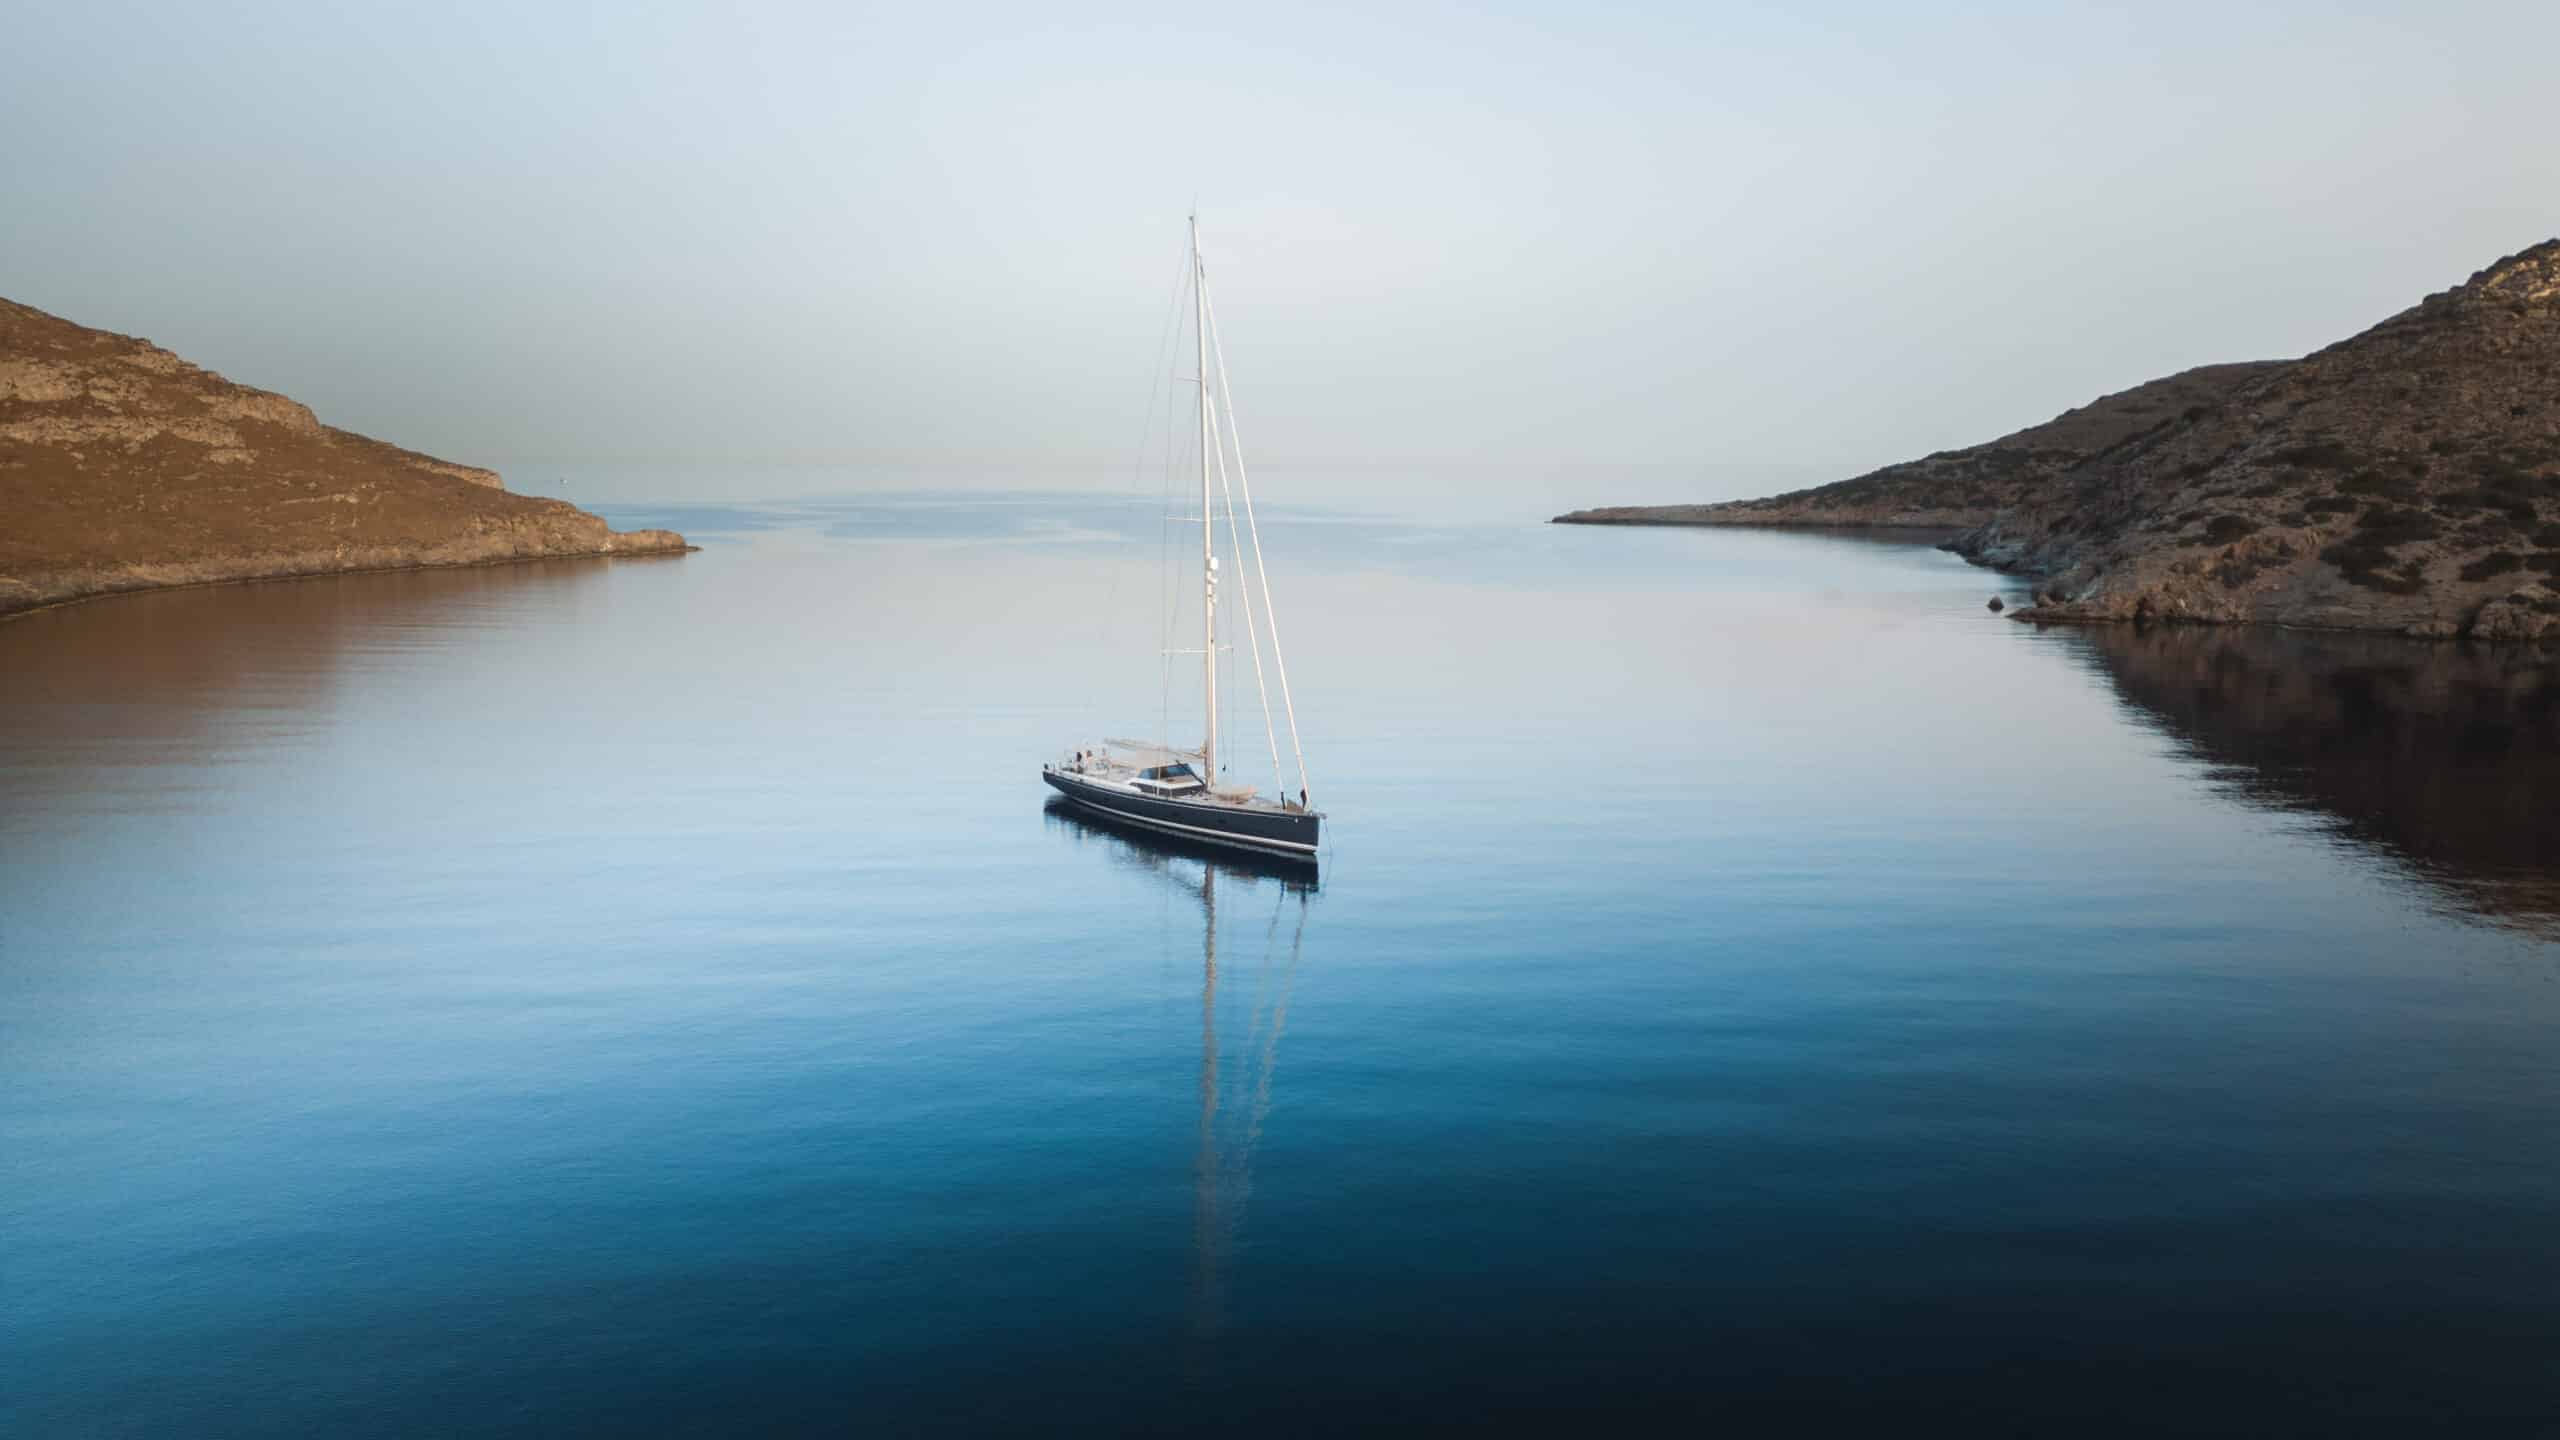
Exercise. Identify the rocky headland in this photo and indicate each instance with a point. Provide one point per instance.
(2405, 479)
(1958, 489)
(123, 467)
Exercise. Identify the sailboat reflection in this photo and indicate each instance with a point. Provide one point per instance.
(1232, 1107)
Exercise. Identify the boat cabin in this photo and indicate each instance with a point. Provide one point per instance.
(1175, 779)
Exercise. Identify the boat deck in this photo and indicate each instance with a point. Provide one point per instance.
(1181, 805)
(1145, 773)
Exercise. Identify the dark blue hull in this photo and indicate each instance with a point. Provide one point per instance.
(1296, 873)
(1273, 832)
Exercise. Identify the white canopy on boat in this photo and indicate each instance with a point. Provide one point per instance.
(1148, 752)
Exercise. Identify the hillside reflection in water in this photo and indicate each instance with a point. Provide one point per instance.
(2446, 758)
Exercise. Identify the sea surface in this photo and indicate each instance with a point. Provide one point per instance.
(1746, 979)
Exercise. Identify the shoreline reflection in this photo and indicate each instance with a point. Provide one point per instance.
(2445, 758)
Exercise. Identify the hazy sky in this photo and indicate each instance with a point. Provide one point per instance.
(1696, 235)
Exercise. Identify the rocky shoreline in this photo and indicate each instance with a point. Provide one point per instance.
(27, 594)
(125, 468)
(2406, 479)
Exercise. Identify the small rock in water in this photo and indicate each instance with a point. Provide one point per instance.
(1996, 607)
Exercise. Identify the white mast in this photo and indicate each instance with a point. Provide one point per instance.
(1270, 617)
(1208, 555)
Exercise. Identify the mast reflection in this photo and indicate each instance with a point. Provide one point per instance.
(1232, 1107)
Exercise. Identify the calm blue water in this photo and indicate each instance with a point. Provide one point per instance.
(1748, 980)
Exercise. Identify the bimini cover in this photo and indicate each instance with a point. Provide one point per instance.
(1147, 754)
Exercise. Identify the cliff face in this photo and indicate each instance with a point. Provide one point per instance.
(123, 467)
(2405, 479)
(1959, 489)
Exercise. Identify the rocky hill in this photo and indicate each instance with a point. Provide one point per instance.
(2405, 479)
(1959, 489)
(123, 467)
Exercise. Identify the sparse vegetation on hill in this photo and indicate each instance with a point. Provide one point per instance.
(2402, 479)
(1958, 489)
(123, 467)
(2407, 478)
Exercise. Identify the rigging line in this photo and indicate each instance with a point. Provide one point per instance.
(1158, 386)
(1278, 661)
(1244, 592)
(1244, 595)
(1164, 592)
(1208, 521)
(1168, 599)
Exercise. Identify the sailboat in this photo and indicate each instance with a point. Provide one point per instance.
(1194, 794)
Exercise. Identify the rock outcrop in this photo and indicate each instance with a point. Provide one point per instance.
(123, 467)
(2406, 479)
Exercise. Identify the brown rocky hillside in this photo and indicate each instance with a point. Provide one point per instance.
(123, 467)
(1955, 489)
(2405, 479)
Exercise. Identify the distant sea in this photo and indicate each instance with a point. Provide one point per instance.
(1747, 981)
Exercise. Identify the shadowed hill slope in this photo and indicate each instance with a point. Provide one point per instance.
(2405, 479)
(123, 467)
(1956, 489)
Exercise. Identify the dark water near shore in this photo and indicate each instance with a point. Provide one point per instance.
(1748, 979)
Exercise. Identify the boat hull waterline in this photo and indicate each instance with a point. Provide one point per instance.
(1211, 822)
